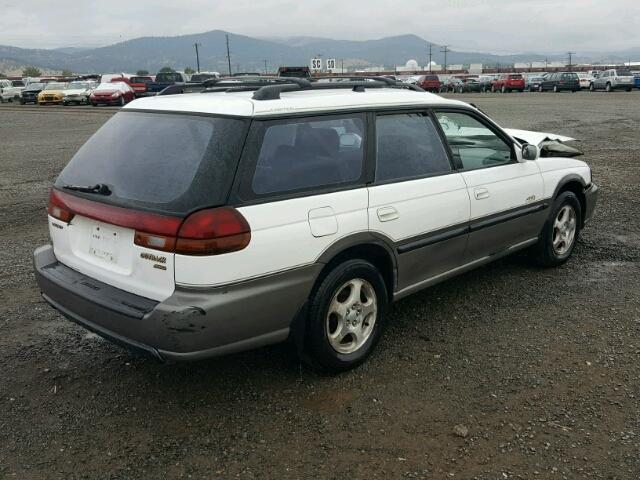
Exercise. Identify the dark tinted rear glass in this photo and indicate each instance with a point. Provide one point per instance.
(162, 162)
(624, 73)
(431, 77)
(167, 77)
(515, 77)
(140, 80)
(570, 76)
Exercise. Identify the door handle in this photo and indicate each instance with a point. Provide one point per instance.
(386, 214)
(480, 193)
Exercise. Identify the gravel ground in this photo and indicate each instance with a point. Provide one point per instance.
(509, 371)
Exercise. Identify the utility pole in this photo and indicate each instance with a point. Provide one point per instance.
(342, 65)
(228, 54)
(445, 49)
(265, 67)
(546, 63)
(570, 55)
(197, 56)
(430, 56)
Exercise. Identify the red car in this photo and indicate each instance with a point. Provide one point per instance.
(430, 83)
(113, 93)
(138, 83)
(508, 82)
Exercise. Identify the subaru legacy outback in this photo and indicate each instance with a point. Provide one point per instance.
(201, 224)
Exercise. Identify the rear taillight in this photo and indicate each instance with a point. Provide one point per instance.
(207, 232)
(212, 232)
(57, 208)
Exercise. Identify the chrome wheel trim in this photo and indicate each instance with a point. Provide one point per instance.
(564, 230)
(352, 315)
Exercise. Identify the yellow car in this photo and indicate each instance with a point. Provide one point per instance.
(52, 93)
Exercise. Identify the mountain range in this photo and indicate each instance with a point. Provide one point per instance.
(249, 53)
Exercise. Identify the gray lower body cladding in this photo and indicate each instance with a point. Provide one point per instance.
(191, 324)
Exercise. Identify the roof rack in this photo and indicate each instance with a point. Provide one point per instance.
(269, 88)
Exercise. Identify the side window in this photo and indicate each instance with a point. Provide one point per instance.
(472, 142)
(302, 154)
(408, 146)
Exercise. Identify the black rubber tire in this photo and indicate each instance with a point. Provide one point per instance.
(592, 87)
(540, 89)
(318, 352)
(608, 88)
(122, 102)
(543, 253)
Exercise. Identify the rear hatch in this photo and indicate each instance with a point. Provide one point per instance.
(116, 208)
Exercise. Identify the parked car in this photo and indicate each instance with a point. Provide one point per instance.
(614, 79)
(77, 93)
(147, 254)
(166, 79)
(469, 84)
(30, 93)
(585, 80)
(139, 84)
(10, 90)
(429, 83)
(297, 72)
(560, 81)
(451, 84)
(203, 77)
(112, 93)
(532, 83)
(636, 78)
(486, 81)
(508, 82)
(53, 93)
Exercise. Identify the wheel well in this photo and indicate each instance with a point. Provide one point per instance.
(577, 188)
(371, 252)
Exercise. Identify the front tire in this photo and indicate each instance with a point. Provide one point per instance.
(346, 317)
(608, 88)
(560, 232)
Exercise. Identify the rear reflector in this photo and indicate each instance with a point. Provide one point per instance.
(206, 232)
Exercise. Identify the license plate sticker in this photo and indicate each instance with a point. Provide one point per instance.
(104, 243)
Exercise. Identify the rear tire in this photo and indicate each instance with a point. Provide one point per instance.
(540, 89)
(555, 89)
(608, 88)
(592, 87)
(343, 327)
(560, 232)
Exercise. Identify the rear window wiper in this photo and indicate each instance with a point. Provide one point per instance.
(99, 188)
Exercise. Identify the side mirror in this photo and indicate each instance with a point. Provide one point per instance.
(529, 152)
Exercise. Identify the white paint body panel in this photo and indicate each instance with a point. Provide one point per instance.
(503, 187)
(281, 238)
(120, 265)
(553, 170)
(422, 205)
(535, 138)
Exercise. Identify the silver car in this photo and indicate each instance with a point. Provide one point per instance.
(614, 79)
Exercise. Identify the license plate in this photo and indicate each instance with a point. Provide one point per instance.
(104, 243)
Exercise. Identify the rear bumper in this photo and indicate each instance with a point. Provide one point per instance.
(191, 324)
(591, 198)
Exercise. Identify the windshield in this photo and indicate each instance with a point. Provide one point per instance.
(55, 86)
(162, 162)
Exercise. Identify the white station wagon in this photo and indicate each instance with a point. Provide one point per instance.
(201, 224)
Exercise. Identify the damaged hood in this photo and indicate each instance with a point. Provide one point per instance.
(535, 138)
(550, 144)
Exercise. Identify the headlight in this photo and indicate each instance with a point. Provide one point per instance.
(115, 95)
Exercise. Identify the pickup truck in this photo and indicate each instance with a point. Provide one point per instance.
(166, 79)
(10, 90)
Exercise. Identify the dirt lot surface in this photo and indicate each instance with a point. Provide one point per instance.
(538, 369)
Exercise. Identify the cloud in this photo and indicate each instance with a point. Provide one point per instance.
(499, 26)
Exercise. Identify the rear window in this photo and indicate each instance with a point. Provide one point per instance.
(624, 73)
(515, 77)
(570, 76)
(140, 80)
(431, 77)
(168, 77)
(160, 162)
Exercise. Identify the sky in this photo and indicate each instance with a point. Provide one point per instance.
(496, 26)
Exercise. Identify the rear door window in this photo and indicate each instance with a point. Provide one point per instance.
(161, 162)
(408, 146)
(307, 154)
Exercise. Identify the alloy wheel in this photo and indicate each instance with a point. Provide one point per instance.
(564, 230)
(352, 315)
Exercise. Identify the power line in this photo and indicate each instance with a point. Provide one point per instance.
(197, 56)
(570, 56)
(445, 50)
(228, 54)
